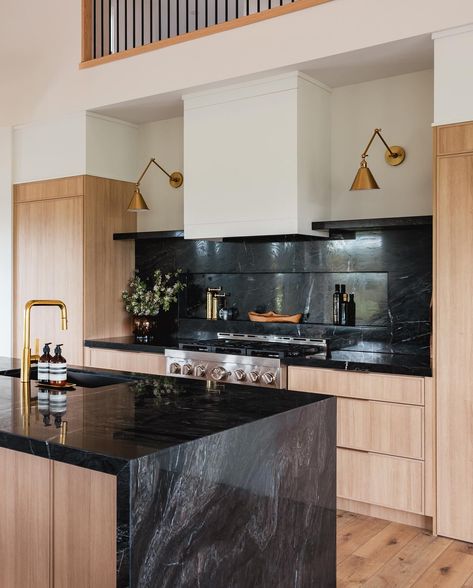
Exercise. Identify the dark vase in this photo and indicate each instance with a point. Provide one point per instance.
(144, 329)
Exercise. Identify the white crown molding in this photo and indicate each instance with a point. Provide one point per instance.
(452, 32)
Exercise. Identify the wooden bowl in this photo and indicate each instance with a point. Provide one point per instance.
(273, 317)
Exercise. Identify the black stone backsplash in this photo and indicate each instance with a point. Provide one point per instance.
(390, 272)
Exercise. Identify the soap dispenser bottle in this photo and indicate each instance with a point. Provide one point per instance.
(44, 363)
(58, 368)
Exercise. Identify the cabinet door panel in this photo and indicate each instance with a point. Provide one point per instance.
(49, 264)
(84, 528)
(454, 346)
(25, 519)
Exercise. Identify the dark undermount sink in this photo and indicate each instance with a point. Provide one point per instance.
(80, 378)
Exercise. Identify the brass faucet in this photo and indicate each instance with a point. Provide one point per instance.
(26, 356)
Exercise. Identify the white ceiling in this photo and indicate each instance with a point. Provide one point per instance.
(381, 61)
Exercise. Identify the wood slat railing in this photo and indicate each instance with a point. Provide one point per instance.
(112, 29)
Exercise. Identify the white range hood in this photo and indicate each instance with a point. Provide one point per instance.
(257, 158)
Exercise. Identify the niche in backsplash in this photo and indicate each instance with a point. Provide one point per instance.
(308, 293)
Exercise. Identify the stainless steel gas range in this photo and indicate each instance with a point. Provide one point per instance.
(237, 358)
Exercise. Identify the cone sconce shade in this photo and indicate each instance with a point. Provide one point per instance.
(364, 179)
(137, 202)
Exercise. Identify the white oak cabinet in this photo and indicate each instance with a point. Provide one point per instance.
(453, 320)
(64, 248)
(385, 440)
(126, 361)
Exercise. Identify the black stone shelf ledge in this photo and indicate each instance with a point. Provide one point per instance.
(348, 228)
(148, 235)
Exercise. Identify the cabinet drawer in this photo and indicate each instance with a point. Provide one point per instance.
(393, 482)
(127, 361)
(371, 386)
(382, 427)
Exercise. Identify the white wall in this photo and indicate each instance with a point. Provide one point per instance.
(75, 144)
(41, 78)
(402, 106)
(163, 140)
(5, 241)
(111, 148)
(454, 76)
(51, 149)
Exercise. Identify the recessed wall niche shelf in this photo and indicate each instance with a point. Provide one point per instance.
(148, 235)
(347, 229)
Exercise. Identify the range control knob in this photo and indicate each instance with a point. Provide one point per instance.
(240, 375)
(187, 369)
(254, 377)
(199, 371)
(268, 378)
(175, 368)
(219, 373)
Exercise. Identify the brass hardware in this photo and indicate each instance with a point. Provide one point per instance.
(210, 296)
(25, 406)
(26, 357)
(63, 433)
(364, 179)
(137, 202)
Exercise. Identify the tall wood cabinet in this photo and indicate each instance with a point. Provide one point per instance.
(454, 329)
(64, 248)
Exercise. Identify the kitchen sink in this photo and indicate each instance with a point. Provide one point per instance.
(81, 378)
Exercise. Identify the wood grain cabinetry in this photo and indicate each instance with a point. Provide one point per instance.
(380, 479)
(453, 328)
(385, 438)
(58, 524)
(25, 520)
(84, 528)
(381, 427)
(370, 386)
(64, 248)
(126, 361)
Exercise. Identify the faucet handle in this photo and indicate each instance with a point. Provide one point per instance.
(35, 355)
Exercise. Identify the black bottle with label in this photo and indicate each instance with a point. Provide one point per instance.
(351, 311)
(336, 305)
(343, 305)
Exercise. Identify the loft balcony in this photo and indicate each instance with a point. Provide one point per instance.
(113, 29)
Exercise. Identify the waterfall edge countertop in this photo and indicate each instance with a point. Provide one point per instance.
(370, 357)
(217, 485)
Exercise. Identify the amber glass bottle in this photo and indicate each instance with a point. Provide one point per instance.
(58, 368)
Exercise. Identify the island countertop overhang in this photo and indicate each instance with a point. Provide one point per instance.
(107, 427)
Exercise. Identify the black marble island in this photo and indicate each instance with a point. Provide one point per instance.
(217, 485)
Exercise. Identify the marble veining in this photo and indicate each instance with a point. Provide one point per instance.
(252, 506)
(389, 270)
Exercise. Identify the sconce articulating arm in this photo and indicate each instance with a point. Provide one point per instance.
(137, 202)
(395, 155)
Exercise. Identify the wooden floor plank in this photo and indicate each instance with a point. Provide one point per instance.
(373, 553)
(403, 570)
(370, 557)
(356, 533)
(451, 569)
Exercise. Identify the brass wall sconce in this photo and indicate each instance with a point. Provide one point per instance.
(364, 179)
(137, 202)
